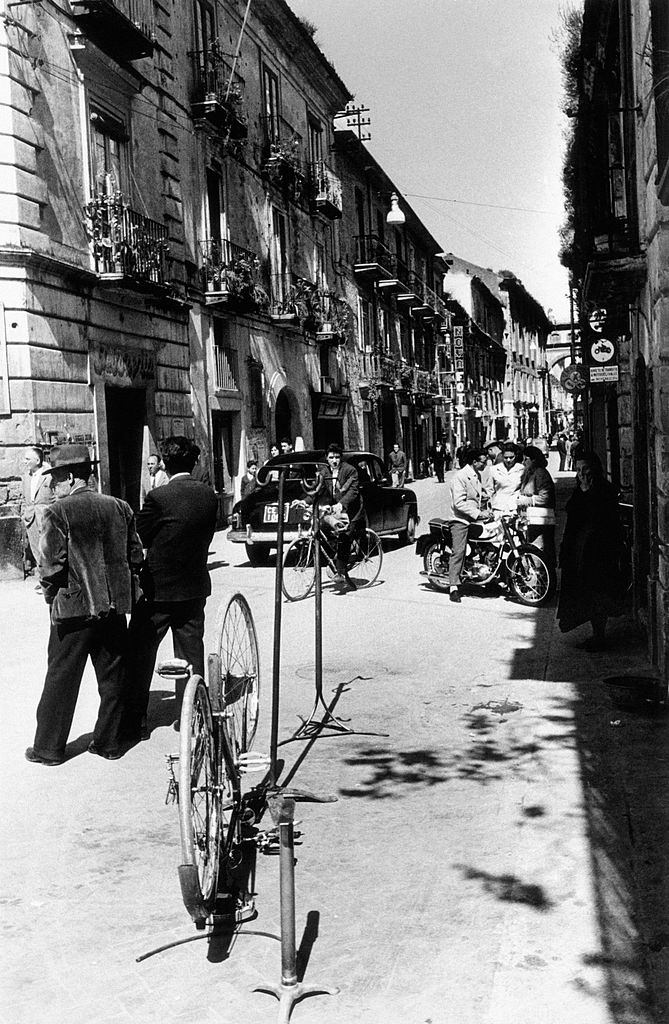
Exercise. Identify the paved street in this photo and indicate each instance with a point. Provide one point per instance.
(497, 852)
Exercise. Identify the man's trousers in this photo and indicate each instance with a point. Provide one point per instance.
(148, 626)
(71, 642)
(459, 533)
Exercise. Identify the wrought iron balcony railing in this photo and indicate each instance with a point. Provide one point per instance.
(126, 244)
(372, 258)
(219, 93)
(229, 271)
(325, 190)
(124, 29)
(378, 369)
(226, 363)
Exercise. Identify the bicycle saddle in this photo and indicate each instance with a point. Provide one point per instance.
(173, 667)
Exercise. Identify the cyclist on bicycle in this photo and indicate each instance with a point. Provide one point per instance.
(340, 508)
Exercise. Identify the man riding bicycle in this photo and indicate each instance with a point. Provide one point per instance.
(340, 508)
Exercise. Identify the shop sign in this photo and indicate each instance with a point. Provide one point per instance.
(572, 379)
(122, 364)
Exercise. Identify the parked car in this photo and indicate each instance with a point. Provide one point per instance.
(389, 510)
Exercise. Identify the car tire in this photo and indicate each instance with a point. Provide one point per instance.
(257, 554)
(408, 536)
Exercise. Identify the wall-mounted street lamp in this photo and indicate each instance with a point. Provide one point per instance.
(395, 215)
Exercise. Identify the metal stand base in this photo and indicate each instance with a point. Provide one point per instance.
(288, 995)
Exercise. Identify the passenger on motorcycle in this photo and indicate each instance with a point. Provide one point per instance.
(467, 512)
(506, 478)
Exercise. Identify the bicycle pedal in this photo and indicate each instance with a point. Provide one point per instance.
(252, 761)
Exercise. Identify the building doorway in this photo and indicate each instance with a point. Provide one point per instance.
(126, 418)
(283, 418)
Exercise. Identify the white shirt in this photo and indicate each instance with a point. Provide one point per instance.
(506, 483)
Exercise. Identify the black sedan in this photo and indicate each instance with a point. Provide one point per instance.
(389, 510)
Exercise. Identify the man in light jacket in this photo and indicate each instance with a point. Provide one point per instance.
(37, 494)
(467, 507)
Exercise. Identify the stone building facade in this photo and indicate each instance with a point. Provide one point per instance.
(617, 249)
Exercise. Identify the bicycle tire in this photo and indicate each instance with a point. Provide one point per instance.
(199, 802)
(237, 648)
(367, 555)
(299, 571)
(530, 577)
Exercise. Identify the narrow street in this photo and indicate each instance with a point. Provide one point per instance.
(488, 860)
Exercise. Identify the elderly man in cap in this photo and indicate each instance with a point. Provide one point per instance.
(88, 551)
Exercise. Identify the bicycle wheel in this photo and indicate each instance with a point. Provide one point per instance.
(237, 649)
(367, 556)
(530, 578)
(199, 801)
(299, 571)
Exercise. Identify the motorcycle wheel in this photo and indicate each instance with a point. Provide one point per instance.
(530, 577)
(435, 563)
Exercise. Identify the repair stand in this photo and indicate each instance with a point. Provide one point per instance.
(289, 991)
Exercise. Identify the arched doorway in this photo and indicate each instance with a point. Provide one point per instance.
(283, 420)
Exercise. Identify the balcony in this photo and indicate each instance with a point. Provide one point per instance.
(219, 94)
(297, 300)
(425, 382)
(325, 191)
(226, 368)
(123, 29)
(376, 370)
(412, 293)
(282, 163)
(126, 244)
(433, 308)
(229, 273)
(372, 260)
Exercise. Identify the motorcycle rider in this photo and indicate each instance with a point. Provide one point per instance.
(467, 509)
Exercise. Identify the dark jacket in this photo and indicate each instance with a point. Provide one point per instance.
(345, 490)
(176, 526)
(88, 547)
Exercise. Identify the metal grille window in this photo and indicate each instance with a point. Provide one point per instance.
(226, 363)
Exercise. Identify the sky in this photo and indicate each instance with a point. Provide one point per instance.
(464, 99)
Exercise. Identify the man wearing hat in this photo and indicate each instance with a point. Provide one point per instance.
(88, 551)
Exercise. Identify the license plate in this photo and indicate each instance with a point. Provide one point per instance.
(271, 513)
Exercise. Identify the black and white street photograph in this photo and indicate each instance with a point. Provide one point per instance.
(334, 511)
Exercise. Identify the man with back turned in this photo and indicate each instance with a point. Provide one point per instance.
(176, 526)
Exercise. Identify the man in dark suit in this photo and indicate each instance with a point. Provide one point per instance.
(338, 492)
(176, 526)
(88, 552)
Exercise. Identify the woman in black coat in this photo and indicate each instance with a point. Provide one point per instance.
(590, 588)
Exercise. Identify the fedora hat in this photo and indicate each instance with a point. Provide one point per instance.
(63, 455)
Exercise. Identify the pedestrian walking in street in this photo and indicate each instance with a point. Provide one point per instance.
(537, 497)
(176, 526)
(157, 475)
(89, 550)
(439, 461)
(590, 555)
(506, 478)
(37, 495)
(467, 509)
(249, 480)
(397, 465)
(562, 450)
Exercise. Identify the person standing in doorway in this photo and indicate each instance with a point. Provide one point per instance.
(176, 526)
(397, 465)
(249, 481)
(89, 550)
(37, 496)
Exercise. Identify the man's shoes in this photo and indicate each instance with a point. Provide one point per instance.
(109, 755)
(30, 755)
(455, 597)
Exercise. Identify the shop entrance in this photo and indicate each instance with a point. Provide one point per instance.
(126, 418)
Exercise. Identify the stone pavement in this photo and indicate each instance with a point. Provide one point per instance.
(497, 852)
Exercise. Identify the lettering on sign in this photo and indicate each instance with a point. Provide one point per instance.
(123, 363)
(603, 374)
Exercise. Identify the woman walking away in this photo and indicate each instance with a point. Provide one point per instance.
(537, 497)
(590, 589)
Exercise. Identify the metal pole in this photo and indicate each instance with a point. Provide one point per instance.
(276, 662)
(318, 609)
(287, 893)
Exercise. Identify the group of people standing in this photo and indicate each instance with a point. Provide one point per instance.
(97, 564)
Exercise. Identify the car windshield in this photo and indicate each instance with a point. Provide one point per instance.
(297, 471)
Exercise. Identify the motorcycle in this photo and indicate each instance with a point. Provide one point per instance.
(495, 552)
